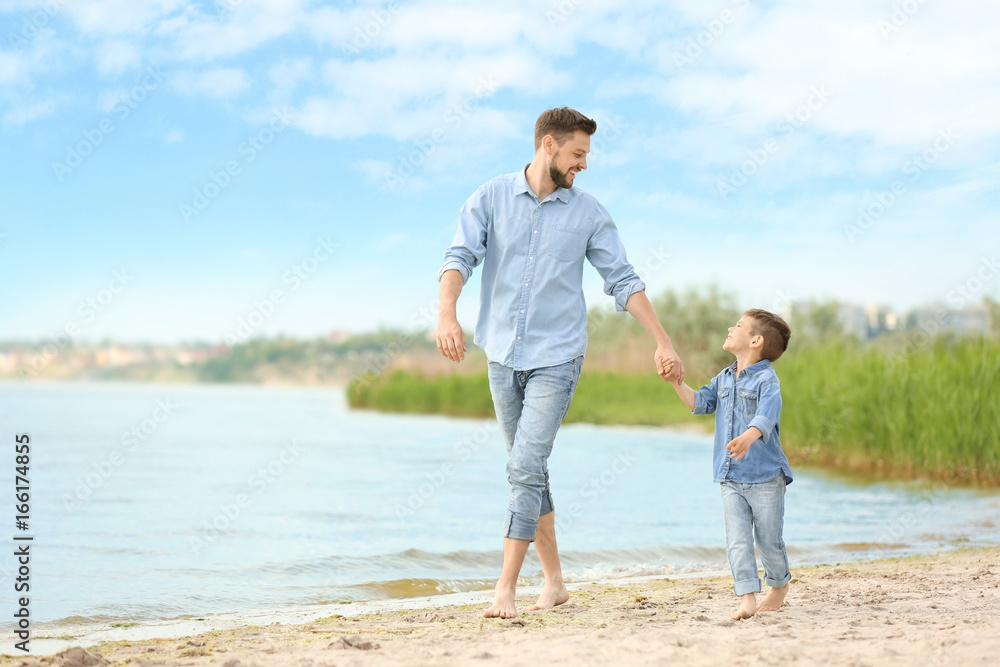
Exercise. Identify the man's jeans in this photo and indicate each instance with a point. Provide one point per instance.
(755, 510)
(530, 406)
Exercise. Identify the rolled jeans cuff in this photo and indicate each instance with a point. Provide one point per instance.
(521, 527)
(778, 583)
(745, 586)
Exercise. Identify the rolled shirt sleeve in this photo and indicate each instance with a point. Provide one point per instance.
(606, 252)
(531, 254)
(468, 248)
(768, 409)
(707, 398)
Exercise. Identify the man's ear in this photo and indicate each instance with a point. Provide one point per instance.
(549, 144)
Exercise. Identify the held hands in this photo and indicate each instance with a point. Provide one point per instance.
(668, 365)
(740, 445)
(451, 339)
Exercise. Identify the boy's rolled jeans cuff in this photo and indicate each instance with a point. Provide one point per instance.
(746, 586)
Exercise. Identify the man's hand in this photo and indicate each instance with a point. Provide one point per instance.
(451, 339)
(740, 445)
(668, 365)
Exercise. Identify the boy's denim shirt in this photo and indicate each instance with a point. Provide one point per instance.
(753, 400)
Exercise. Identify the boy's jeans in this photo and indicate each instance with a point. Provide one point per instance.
(530, 406)
(755, 510)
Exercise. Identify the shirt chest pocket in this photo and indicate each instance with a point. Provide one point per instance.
(746, 402)
(725, 400)
(567, 244)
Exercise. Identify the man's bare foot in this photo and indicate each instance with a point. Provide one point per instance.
(551, 596)
(748, 607)
(774, 599)
(503, 606)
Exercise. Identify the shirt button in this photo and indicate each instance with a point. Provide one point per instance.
(522, 311)
(531, 258)
(519, 338)
(525, 284)
(536, 231)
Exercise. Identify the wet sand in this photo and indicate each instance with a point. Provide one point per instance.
(929, 610)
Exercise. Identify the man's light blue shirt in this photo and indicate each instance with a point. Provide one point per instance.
(532, 311)
(754, 399)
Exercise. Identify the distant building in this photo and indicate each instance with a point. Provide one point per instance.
(936, 318)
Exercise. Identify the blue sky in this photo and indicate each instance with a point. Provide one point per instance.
(175, 165)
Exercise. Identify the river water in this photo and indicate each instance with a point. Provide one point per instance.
(153, 502)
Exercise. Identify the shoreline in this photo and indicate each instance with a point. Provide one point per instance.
(936, 609)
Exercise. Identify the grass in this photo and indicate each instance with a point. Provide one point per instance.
(902, 409)
(933, 410)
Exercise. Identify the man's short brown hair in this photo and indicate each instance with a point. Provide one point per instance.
(561, 123)
(775, 331)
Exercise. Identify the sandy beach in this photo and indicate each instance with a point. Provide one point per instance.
(930, 610)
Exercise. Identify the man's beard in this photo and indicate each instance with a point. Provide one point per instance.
(559, 178)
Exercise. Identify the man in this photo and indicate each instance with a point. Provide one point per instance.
(531, 230)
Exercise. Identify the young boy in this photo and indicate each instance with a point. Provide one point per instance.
(748, 461)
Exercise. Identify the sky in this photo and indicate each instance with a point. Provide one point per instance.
(178, 171)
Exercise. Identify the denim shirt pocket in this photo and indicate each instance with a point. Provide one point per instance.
(567, 244)
(725, 400)
(746, 402)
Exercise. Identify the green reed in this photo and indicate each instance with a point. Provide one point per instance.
(899, 407)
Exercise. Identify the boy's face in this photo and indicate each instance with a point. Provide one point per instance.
(740, 338)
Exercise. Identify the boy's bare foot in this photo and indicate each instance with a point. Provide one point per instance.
(551, 596)
(748, 607)
(503, 605)
(774, 599)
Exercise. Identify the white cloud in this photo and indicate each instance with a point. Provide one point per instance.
(932, 71)
(222, 83)
(249, 24)
(390, 241)
(116, 56)
(116, 17)
(174, 137)
(13, 69)
(25, 114)
(287, 76)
